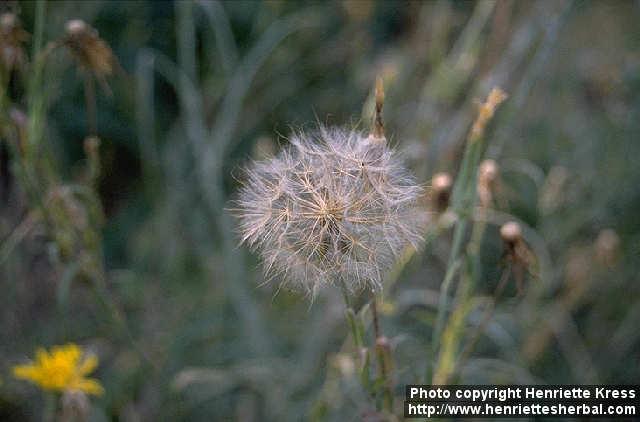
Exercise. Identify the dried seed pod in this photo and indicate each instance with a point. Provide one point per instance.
(488, 172)
(511, 233)
(517, 252)
(441, 184)
(486, 112)
(12, 39)
(607, 247)
(91, 52)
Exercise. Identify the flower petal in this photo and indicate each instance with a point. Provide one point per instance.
(89, 386)
(88, 365)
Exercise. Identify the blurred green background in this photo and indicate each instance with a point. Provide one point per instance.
(206, 86)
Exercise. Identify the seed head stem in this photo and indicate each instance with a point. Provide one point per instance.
(377, 132)
(90, 101)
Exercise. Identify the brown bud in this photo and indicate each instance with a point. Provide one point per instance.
(511, 233)
(488, 171)
(12, 38)
(76, 27)
(486, 112)
(90, 51)
(383, 343)
(607, 247)
(487, 177)
(441, 184)
(8, 21)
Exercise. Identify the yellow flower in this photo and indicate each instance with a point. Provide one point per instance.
(64, 368)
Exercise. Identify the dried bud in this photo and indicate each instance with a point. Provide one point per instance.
(517, 252)
(91, 52)
(486, 111)
(488, 171)
(12, 38)
(511, 233)
(8, 22)
(487, 180)
(75, 27)
(607, 247)
(383, 343)
(441, 184)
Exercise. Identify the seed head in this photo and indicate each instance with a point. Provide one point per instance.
(337, 204)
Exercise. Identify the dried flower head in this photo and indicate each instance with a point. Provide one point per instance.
(441, 184)
(488, 171)
(607, 247)
(511, 233)
(12, 39)
(517, 252)
(336, 205)
(92, 52)
(486, 111)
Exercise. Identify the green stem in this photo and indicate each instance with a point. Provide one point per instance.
(90, 101)
(463, 198)
(36, 103)
(383, 353)
(50, 405)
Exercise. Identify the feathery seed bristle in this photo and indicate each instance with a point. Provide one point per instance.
(335, 205)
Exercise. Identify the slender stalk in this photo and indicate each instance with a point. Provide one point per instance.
(49, 410)
(463, 201)
(486, 317)
(90, 102)
(352, 318)
(374, 313)
(36, 100)
(383, 355)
